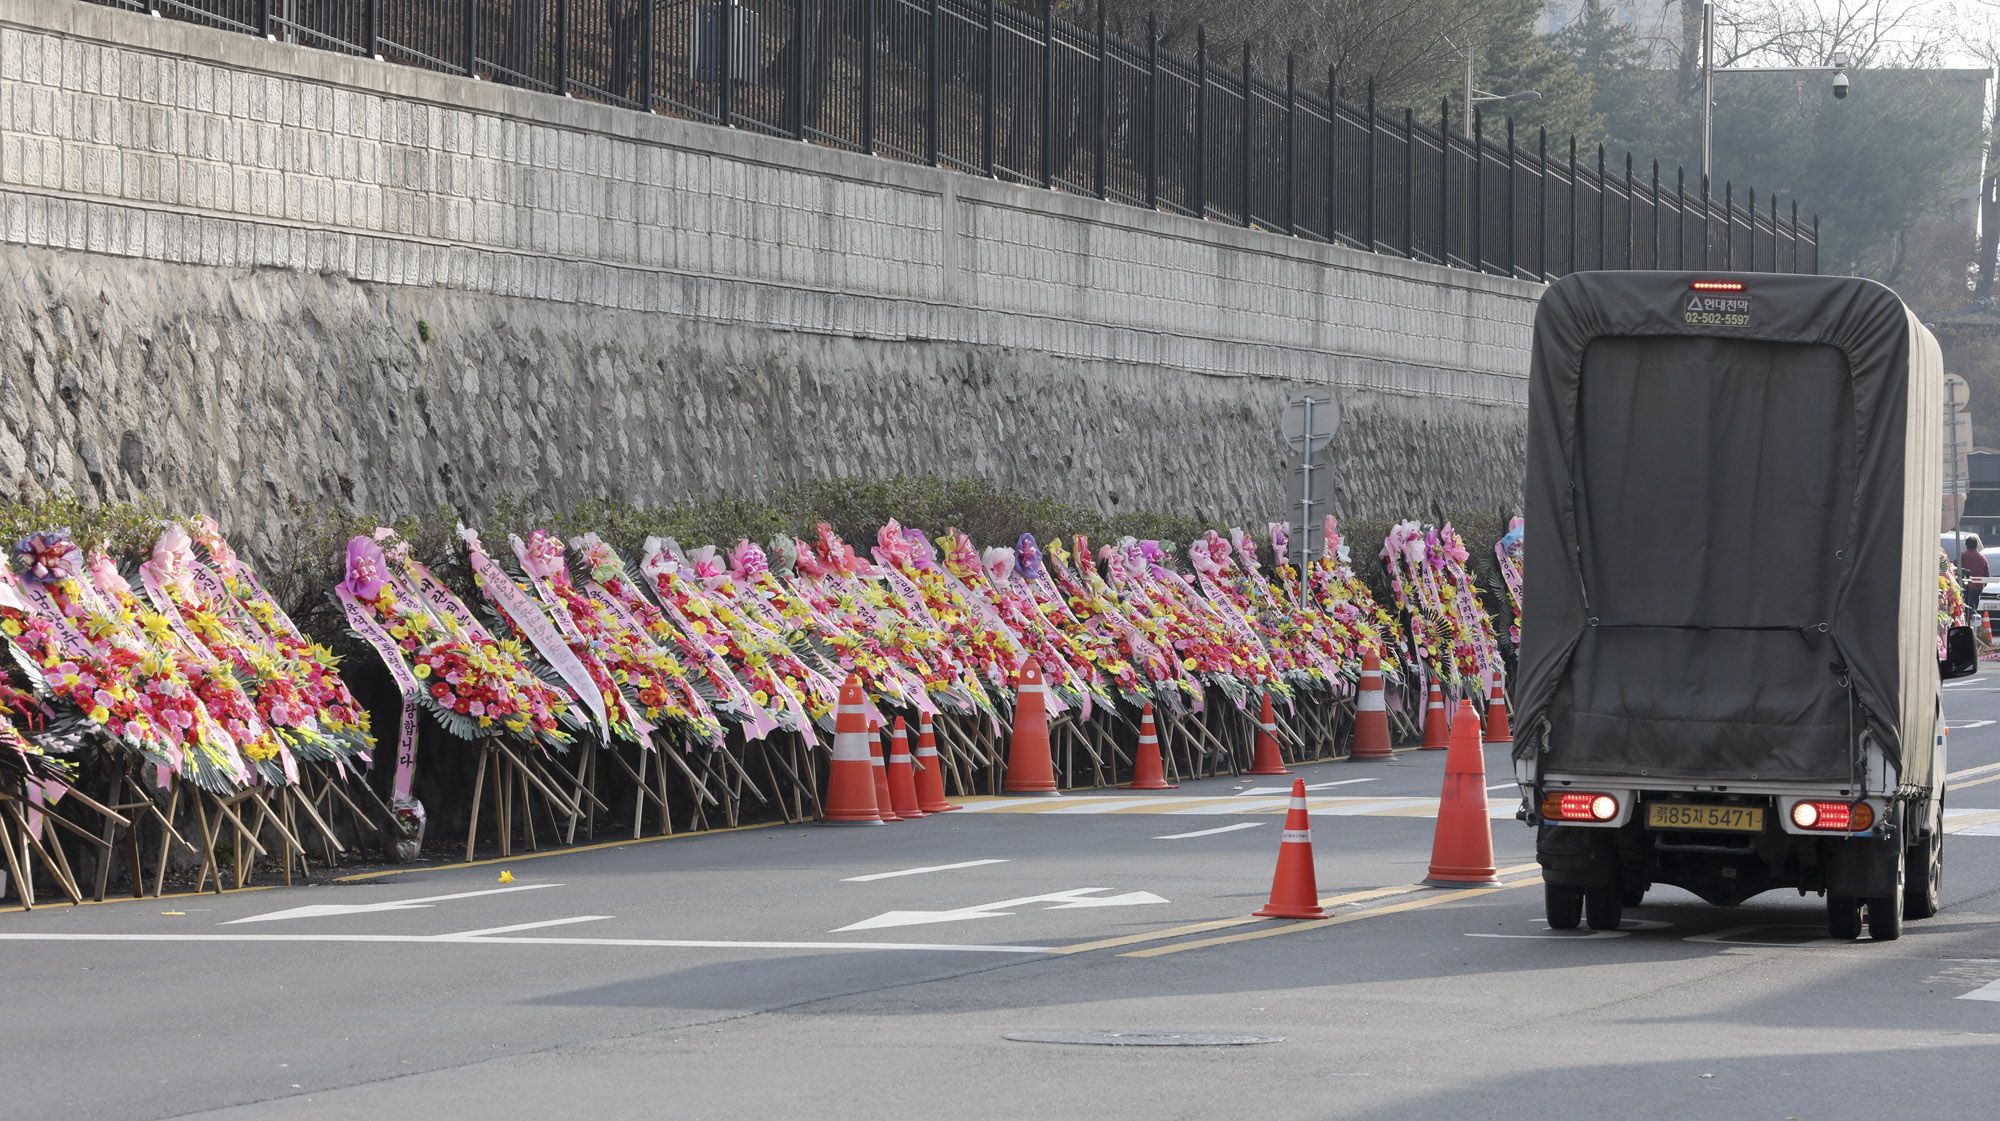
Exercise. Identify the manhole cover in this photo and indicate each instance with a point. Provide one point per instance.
(1144, 1038)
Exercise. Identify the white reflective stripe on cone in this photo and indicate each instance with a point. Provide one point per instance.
(1268, 727)
(1298, 803)
(1371, 675)
(1297, 837)
(852, 710)
(1372, 701)
(850, 747)
(900, 757)
(925, 752)
(1149, 738)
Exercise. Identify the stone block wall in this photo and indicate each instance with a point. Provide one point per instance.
(215, 251)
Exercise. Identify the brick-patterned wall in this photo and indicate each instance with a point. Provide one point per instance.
(244, 173)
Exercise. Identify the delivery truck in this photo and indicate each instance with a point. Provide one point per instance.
(1731, 651)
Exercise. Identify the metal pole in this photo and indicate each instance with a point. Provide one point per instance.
(1305, 496)
(1631, 206)
(371, 35)
(1681, 217)
(1332, 156)
(1103, 99)
(1751, 224)
(1603, 205)
(1513, 164)
(1409, 184)
(1574, 224)
(933, 78)
(645, 85)
(992, 69)
(1200, 191)
(1291, 147)
(725, 43)
(799, 50)
(1542, 212)
(1707, 95)
(562, 48)
(468, 24)
(1444, 181)
(871, 19)
(262, 16)
(1728, 225)
(1478, 208)
(1152, 111)
(1468, 89)
(1048, 92)
(1656, 213)
(1249, 126)
(1368, 231)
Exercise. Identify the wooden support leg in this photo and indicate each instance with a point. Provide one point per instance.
(478, 789)
(24, 889)
(639, 792)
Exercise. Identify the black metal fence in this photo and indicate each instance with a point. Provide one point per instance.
(984, 87)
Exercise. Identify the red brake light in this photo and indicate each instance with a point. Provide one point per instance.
(1579, 806)
(1717, 286)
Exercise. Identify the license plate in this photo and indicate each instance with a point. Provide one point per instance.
(1684, 815)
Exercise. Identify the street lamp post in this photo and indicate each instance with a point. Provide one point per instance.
(1836, 66)
(1474, 96)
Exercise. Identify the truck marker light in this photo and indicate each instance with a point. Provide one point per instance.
(1833, 817)
(1717, 286)
(1579, 806)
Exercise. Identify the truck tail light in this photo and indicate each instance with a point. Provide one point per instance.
(1579, 806)
(1717, 286)
(1833, 817)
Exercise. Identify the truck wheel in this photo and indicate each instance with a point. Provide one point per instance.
(1602, 907)
(1632, 896)
(1843, 916)
(1924, 894)
(1562, 905)
(1885, 913)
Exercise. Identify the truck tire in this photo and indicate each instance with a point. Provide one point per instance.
(1885, 913)
(1562, 905)
(1632, 895)
(1843, 916)
(1603, 907)
(1924, 894)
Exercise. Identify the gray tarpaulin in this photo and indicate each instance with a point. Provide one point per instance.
(1729, 524)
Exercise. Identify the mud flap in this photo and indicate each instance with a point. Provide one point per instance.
(1863, 867)
(1573, 857)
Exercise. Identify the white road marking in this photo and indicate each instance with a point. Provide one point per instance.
(1969, 772)
(1211, 832)
(324, 910)
(464, 934)
(1230, 806)
(1626, 927)
(453, 940)
(1309, 786)
(1967, 727)
(918, 871)
(1989, 991)
(1063, 900)
(1731, 937)
(1501, 786)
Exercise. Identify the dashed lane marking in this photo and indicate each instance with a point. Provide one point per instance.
(920, 871)
(1212, 832)
(468, 940)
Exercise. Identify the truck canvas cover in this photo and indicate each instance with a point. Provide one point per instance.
(1732, 500)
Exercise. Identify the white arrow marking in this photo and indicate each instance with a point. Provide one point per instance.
(1211, 832)
(323, 910)
(1309, 786)
(1075, 897)
(1968, 726)
(1989, 991)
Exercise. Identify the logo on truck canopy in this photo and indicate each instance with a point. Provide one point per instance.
(1717, 311)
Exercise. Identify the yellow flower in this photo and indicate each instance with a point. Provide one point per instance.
(761, 697)
(423, 670)
(100, 714)
(10, 626)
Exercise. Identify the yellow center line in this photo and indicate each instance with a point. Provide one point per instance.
(1247, 920)
(1312, 924)
(1952, 784)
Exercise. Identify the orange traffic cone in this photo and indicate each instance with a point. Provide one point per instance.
(1437, 733)
(1294, 889)
(1268, 760)
(930, 780)
(1147, 773)
(850, 784)
(1371, 713)
(1496, 714)
(1031, 766)
(1462, 850)
(902, 780)
(885, 803)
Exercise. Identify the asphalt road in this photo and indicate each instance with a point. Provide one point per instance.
(792, 971)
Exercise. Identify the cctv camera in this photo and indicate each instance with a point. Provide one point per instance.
(1840, 84)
